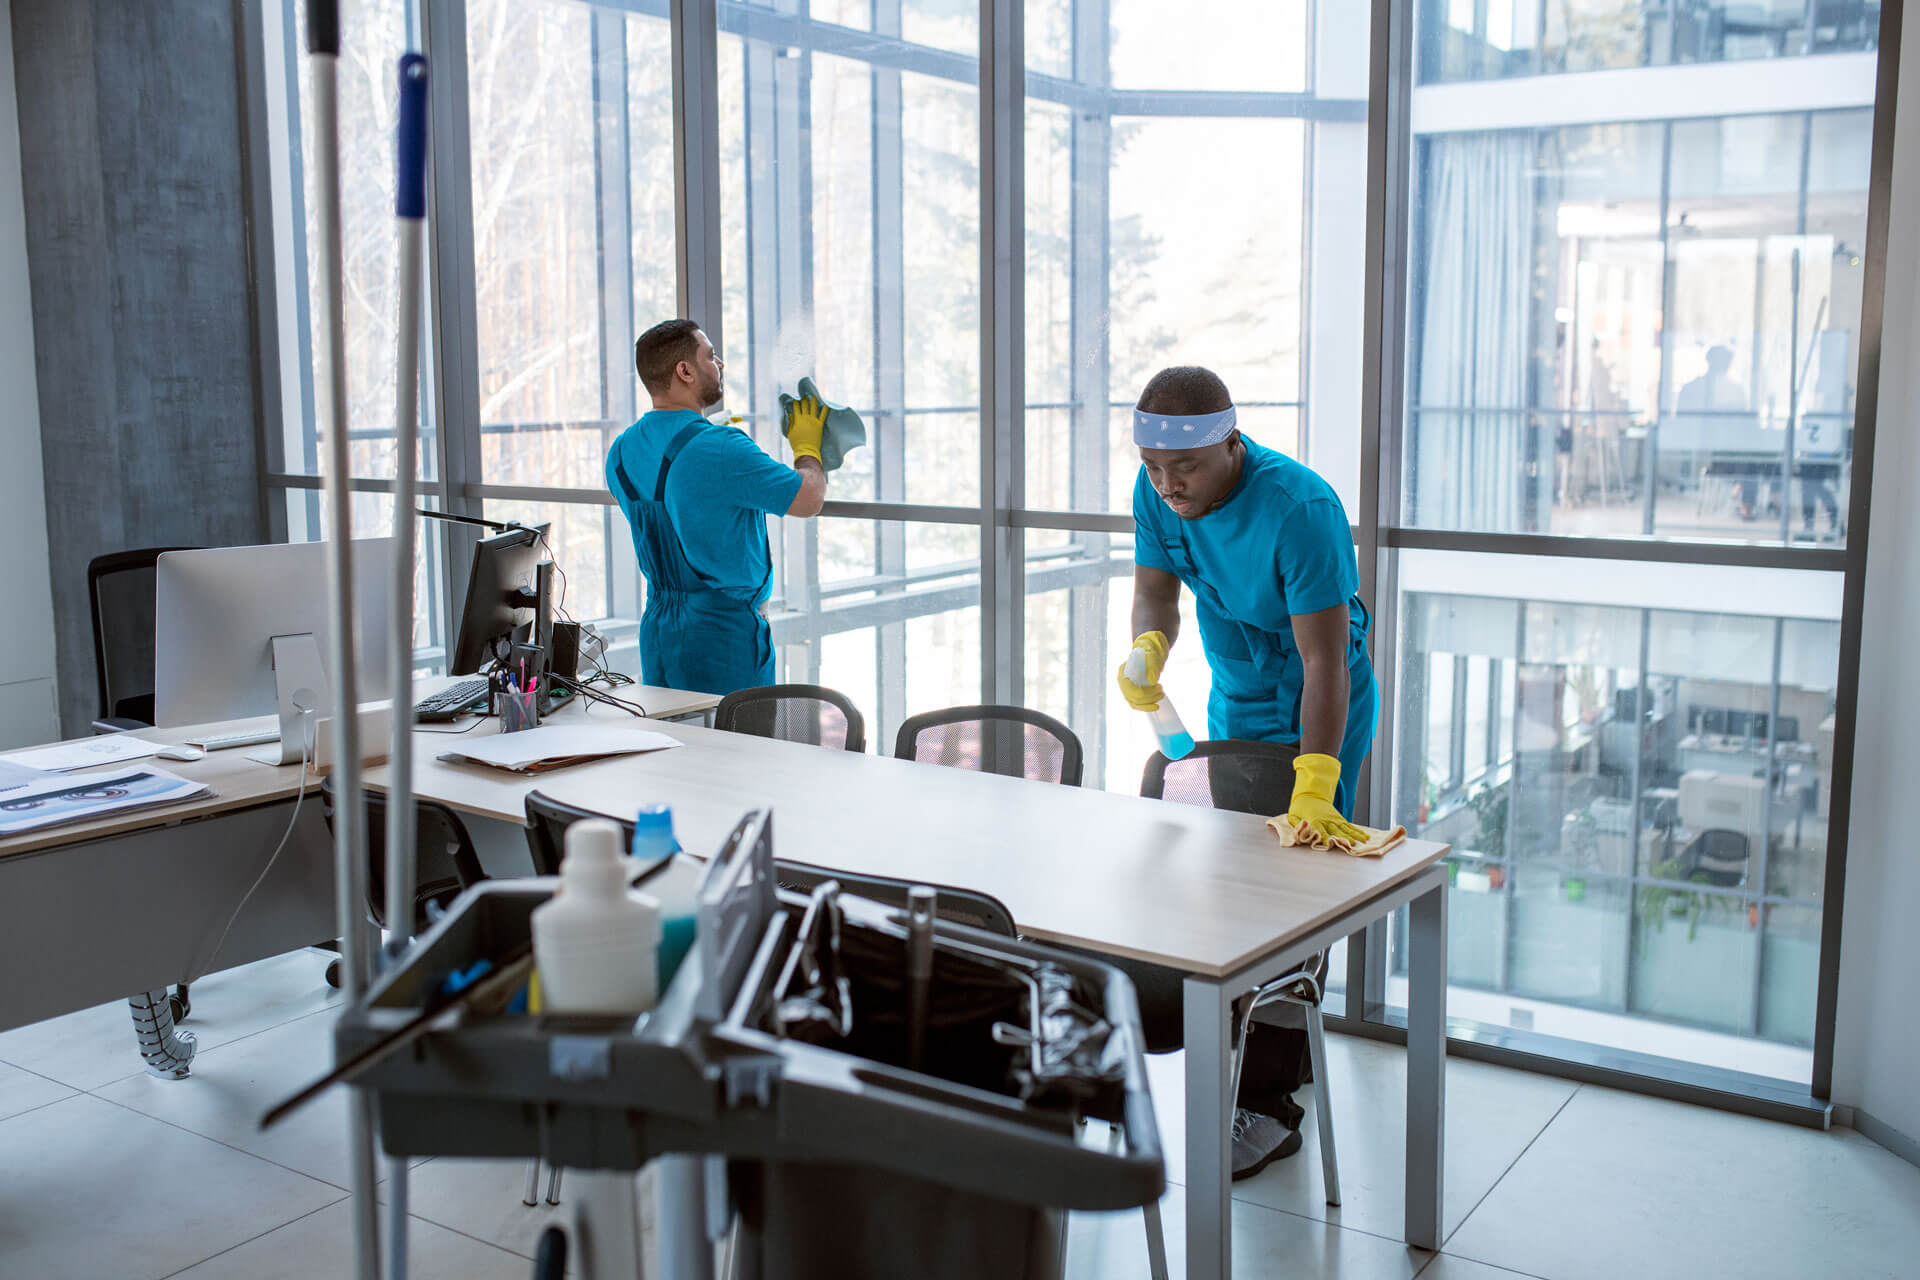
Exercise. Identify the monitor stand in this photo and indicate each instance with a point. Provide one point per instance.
(300, 690)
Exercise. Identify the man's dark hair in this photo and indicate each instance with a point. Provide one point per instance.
(1183, 391)
(662, 347)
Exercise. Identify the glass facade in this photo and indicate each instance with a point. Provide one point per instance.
(1633, 312)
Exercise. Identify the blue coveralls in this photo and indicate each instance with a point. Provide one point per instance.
(697, 494)
(1278, 545)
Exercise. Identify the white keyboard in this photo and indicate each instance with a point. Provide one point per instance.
(228, 741)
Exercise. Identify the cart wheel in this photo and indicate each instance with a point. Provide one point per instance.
(333, 974)
(179, 1002)
(550, 1259)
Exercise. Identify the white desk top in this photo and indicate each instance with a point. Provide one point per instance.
(239, 782)
(1196, 889)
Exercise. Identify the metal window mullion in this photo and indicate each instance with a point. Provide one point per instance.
(452, 308)
(696, 164)
(1668, 275)
(1089, 421)
(613, 233)
(1760, 862)
(1002, 117)
(890, 365)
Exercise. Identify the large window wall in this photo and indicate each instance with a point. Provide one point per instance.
(1583, 369)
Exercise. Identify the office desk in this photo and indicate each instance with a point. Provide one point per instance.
(1205, 892)
(98, 910)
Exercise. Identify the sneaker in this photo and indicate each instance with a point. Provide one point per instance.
(1258, 1141)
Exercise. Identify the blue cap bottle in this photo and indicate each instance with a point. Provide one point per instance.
(653, 834)
(654, 843)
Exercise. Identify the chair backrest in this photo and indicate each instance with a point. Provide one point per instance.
(1013, 741)
(1227, 773)
(961, 906)
(120, 592)
(445, 858)
(547, 823)
(1717, 856)
(809, 713)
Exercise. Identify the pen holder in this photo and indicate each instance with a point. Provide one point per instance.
(518, 710)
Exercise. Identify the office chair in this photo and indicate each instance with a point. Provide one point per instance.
(447, 862)
(1717, 856)
(120, 593)
(969, 907)
(1256, 778)
(1012, 741)
(807, 713)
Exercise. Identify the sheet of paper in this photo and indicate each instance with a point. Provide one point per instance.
(56, 799)
(84, 753)
(530, 747)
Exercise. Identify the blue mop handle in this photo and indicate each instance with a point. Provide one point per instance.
(410, 191)
(323, 27)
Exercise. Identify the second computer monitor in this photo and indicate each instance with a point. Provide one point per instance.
(501, 595)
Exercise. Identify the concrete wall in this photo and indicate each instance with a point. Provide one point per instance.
(27, 709)
(1877, 1047)
(131, 145)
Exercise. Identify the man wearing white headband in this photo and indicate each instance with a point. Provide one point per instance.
(1264, 544)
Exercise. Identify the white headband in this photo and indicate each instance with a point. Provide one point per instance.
(1164, 431)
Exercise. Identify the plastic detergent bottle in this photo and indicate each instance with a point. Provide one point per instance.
(1175, 741)
(596, 943)
(674, 887)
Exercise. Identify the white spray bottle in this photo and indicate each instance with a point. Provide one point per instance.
(1175, 741)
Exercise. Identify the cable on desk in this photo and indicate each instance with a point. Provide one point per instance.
(306, 754)
(583, 688)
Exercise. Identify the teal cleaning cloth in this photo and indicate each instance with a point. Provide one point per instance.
(845, 432)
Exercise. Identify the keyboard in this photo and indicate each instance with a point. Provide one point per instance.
(454, 700)
(228, 741)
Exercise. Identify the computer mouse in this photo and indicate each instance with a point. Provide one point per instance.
(180, 753)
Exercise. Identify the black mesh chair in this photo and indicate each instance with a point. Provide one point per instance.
(1012, 741)
(809, 713)
(120, 592)
(446, 861)
(960, 906)
(547, 823)
(1256, 778)
(1717, 856)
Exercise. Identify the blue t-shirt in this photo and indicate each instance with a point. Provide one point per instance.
(718, 494)
(1279, 545)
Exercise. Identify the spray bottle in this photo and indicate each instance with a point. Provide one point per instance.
(1175, 741)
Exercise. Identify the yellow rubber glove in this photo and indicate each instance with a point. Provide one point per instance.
(1314, 780)
(1152, 646)
(806, 423)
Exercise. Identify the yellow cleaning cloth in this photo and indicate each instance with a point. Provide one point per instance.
(1303, 836)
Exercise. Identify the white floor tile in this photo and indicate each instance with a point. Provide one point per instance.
(91, 1189)
(320, 1247)
(233, 1084)
(23, 1091)
(1623, 1185)
(1446, 1266)
(481, 1198)
(95, 1046)
(1266, 1242)
(1492, 1114)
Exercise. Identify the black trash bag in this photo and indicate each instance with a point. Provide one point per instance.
(1077, 1063)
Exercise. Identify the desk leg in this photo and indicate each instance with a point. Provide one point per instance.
(1209, 1124)
(1426, 1064)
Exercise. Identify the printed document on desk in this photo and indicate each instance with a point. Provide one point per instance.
(553, 745)
(55, 799)
(85, 753)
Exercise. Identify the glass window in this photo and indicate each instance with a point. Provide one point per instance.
(1637, 329)
(1655, 814)
(1214, 44)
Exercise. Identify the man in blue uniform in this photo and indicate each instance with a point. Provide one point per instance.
(1264, 545)
(697, 494)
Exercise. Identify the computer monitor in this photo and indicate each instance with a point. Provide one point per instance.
(503, 595)
(216, 613)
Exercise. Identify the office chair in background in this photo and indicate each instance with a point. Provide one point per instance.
(120, 593)
(807, 713)
(1012, 741)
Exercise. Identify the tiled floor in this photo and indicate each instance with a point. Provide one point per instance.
(105, 1172)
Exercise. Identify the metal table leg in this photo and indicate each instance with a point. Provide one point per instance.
(1426, 1063)
(1209, 1121)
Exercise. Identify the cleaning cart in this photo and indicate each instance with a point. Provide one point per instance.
(772, 1081)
